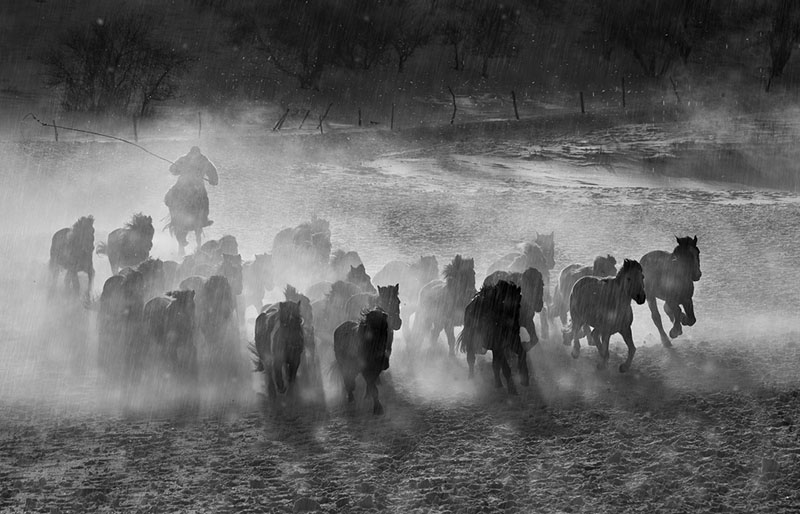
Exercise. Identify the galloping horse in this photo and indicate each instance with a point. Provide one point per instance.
(411, 278)
(602, 267)
(605, 304)
(364, 347)
(279, 345)
(540, 255)
(532, 290)
(216, 310)
(129, 245)
(187, 200)
(169, 327)
(670, 277)
(302, 254)
(119, 321)
(331, 311)
(387, 299)
(441, 303)
(491, 322)
(71, 249)
(152, 271)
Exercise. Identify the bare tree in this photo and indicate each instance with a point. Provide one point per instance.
(453, 25)
(655, 32)
(494, 32)
(113, 65)
(411, 29)
(783, 34)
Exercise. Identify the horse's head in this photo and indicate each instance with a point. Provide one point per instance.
(633, 280)
(292, 295)
(358, 276)
(533, 288)
(182, 305)
(341, 261)
(142, 225)
(547, 243)
(83, 233)
(688, 254)
(228, 244)
(460, 277)
(377, 337)
(389, 301)
(427, 269)
(507, 299)
(604, 266)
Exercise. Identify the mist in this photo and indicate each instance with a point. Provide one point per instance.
(427, 160)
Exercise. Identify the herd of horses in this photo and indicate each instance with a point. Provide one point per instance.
(158, 313)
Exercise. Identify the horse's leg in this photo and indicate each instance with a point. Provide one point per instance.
(372, 390)
(592, 336)
(512, 389)
(198, 237)
(675, 316)
(90, 273)
(688, 319)
(531, 328)
(449, 331)
(496, 365)
(628, 337)
(544, 323)
(349, 377)
(577, 326)
(471, 362)
(602, 348)
(651, 302)
(522, 366)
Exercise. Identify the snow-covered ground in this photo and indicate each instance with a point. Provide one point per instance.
(708, 426)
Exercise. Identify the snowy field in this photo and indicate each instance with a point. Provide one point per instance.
(705, 427)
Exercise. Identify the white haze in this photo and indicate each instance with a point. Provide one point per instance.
(387, 197)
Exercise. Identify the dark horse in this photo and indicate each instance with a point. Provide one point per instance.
(279, 345)
(216, 311)
(152, 271)
(169, 326)
(364, 347)
(600, 307)
(119, 324)
(602, 267)
(491, 322)
(538, 254)
(387, 299)
(441, 303)
(670, 277)
(302, 254)
(187, 200)
(129, 245)
(71, 249)
(532, 289)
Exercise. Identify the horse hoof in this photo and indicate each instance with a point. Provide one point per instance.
(350, 398)
(623, 367)
(513, 392)
(666, 342)
(575, 354)
(602, 365)
(377, 410)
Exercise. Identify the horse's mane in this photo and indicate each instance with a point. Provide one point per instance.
(140, 223)
(83, 221)
(628, 266)
(458, 268)
(181, 296)
(149, 265)
(378, 322)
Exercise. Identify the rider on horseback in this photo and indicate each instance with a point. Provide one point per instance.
(187, 199)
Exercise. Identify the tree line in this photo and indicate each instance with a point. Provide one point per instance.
(124, 64)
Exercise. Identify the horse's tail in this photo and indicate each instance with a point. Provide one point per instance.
(102, 248)
(259, 366)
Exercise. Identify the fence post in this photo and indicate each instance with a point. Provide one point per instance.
(55, 130)
(453, 117)
(623, 92)
(199, 124)
(583, 111)
(514, 99)
(135, 130)
(391, 122)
